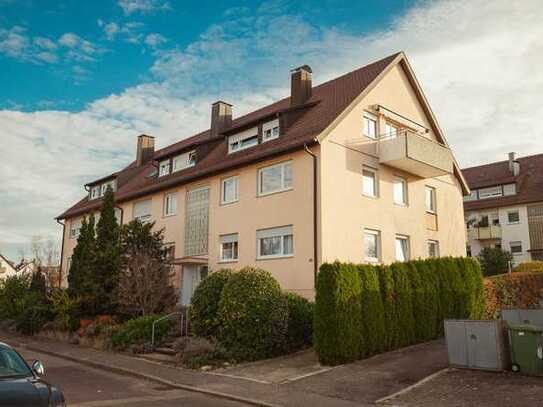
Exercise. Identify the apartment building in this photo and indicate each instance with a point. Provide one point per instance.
(505, 207)
(355, 169)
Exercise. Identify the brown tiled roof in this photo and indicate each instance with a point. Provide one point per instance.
(327, 101)
(529, 182)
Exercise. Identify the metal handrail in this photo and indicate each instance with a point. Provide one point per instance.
(161, 319)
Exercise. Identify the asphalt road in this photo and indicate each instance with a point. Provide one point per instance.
(84, 386)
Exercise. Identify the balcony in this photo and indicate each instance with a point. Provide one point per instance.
(413, 153)
(485, 232)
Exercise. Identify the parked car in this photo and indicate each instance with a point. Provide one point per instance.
(21, 385)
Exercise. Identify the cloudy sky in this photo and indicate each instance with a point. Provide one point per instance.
(80, 80)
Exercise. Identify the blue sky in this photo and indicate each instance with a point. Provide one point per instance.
(80, 80)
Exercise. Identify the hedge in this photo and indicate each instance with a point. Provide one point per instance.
(361, 310)
(300, 322)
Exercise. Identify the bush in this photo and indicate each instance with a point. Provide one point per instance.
(529, 267)
(300, 321)
(338, 314)
(13, 296)
(494, 261)
(385, 307)
(204, 309)
(66, 309)
(518, 290)
(32, 319)
(254, 315)
(139, 330)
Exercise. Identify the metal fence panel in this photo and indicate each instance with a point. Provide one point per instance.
(523, 316)
(455, 336)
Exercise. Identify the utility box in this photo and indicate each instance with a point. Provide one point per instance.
(526, 349)
(519, 316)
(476, 344)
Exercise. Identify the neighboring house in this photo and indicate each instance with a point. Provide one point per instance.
(26, 267)
(505, 208)
(355, 169)
(6, 268)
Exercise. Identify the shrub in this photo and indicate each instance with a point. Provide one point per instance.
(32, 319)
(300, 321)
(518, 290)
(373, 313)
(494, 261)
(425, 300)
(338, 314)
(13, 296)
(405, 323)
(254, 315)
(386, 283)
(65, 308)
(529, 267)
(139, 330)
(204, 309)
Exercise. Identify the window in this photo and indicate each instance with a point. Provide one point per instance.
(75, 228)
(372, 245)
(230, 191)
(509, 189)
(164, 168)
(243, 140)
(472, 196)
(491, 192)
(276, 242)
(433, 248)
(369, 182)
(513, 217)
(142, 211)
(270, 130)
(400, 191)
(183, 161)
(516, 248)
(229, 247)
(370, 125)
(104, 186)
(170, 204)
(275, 178)
(430, 199)
(390, 130)
(95, 192)
(402, 248)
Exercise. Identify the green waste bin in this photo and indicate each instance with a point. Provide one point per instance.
(526, 349)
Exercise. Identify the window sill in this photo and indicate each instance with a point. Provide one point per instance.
(513, 223)
(431, 212)
(229, 203)
(287, 256)
(372, 260)
(370, 196)
(403, 205)
(170, 215)
(274, 192)
(227, 261)
(269, 139)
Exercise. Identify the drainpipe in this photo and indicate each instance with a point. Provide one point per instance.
(315, 236)
(61, 252)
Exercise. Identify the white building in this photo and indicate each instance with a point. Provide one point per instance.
(505, 208)
(6, 268)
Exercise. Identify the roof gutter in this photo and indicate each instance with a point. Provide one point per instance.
(315, 203)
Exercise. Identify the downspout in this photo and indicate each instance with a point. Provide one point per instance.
(61, 252)
(315, 231)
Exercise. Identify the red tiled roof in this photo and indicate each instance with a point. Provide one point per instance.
(529, 182)
(327, 101)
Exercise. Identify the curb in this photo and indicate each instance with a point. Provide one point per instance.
(156, 379)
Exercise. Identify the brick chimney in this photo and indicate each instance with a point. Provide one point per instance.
(300, 85)
(145, 150)
(221, 117)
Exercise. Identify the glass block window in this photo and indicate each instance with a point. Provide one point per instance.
(197, 222)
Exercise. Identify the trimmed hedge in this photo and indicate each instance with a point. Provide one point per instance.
(518, 290)
(300, 322)
(529, 267)
(361, 310)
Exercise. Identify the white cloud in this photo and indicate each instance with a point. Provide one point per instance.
(45, 43)
(155, 40)
(129, 32)
(79, 49)
(143, 6)
(13, 42)
(483, 81)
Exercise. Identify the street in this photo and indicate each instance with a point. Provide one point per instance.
(84, 386)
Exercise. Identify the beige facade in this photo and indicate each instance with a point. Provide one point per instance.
(343, 211)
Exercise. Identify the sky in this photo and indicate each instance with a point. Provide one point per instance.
(80, 80)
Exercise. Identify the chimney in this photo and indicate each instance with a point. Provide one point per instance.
(221, 117)
(145, 150)
(514, 166)
(300, 85)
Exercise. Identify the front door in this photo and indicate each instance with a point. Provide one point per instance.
(192, 275)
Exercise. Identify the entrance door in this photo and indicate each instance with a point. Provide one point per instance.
(192, 275)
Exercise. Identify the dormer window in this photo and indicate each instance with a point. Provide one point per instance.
(104, 186)
(270, 130)
(95, 192)
(184, 160)
(164, 168)
(98, 191)
(243, 140)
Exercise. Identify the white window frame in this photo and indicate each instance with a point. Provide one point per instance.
(184, 161)
(370, 118)
(403, 182)
(224, 181)
(391, 130)
(375, 187)
(284, 187)
(235, 142)
(231, 238)
(407, 255)
(279, 232)
(431, 206)
(377, 235)
(509, 189)
(75, 228)
(164, 168)
(169, 198)
(144, 218)
(517, 243)
(514, 222)
(490, 192)
(270, 130)
(95, 192)
(435, 243)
